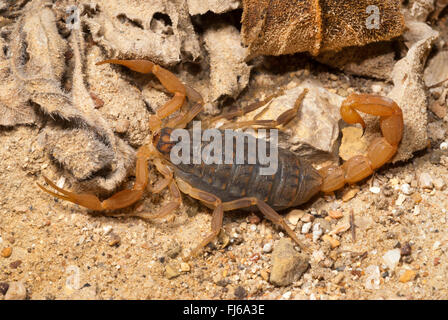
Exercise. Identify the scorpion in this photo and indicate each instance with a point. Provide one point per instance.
(226, 187)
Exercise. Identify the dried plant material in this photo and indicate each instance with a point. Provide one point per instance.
(409, 90)
(158, 30)
(74, 148)
(122, 101)
(229, 74)
(421, 9)
(275, 27)
(37, 66)
(437, 69)
(14, 106)
(375, 60)
(215, 6)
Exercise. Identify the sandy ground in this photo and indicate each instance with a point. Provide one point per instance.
(58, 250)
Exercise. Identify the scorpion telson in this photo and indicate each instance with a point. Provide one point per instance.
(226, 187)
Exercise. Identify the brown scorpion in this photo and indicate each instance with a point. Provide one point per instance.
(226, 187)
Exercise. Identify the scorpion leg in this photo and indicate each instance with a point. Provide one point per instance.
(281, 120)
(220, 207)
(268, 212)
(119, 200)
(379, 152)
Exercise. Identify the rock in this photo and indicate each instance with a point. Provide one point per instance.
(406, 249)
(294, 216)
(174, 250)
(306, 227)
(333, 242)
(421, 9)
(215, 6)
(409, 90)
(317, 232)
(288, 265)
(156, 30)
(439, 183)
(391, 258)
(335, 214)
(6, 252)
(350, 194)
(375, 190)
(185, 267)
(313, 133)
(267, 247)
(373, 278)
(4, 287)
(16, 291)
(407, 276)
(240, 292)
(406, 189)
(425, 181)
(171, 271)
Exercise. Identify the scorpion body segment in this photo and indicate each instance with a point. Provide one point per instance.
(232, 186)
(294, 182)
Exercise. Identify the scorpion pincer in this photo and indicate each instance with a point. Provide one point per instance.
(226, 187)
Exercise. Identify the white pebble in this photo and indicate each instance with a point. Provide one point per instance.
(61, 182)
(317, 232)
(375, 190)
(444, 146)
(400, 200)
(107, 230)
(373, 277)
(391, 258)
(425, 181)
(416, 210)
(287, 295)
(436, 245)
(306, 227)
(406, 189)
(439, 183)
(16, 291)
(267, 247)
(253, 227)
(376, 88)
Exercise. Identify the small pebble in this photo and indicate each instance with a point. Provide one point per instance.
(122, 125)
(425, 181)
(391, 258)
(333, 242)
(439, 183)
(267, 247)
(185, 267)
(350, 194)
(400, 200)
(264, 274)
(306, 227)
(16, 291)
(375, 190)
(406, 249)
(407, 276)
(115, 240)
(294, 216)
(240, 292)
(287, 295)
(317, 232)
(335, 214)
(373, 278)
(444, 146)
(6, 252)
(171, 271)
(406, 189)
(15, 264)
(3, 287)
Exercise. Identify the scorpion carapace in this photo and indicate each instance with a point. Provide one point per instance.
(226, 187)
